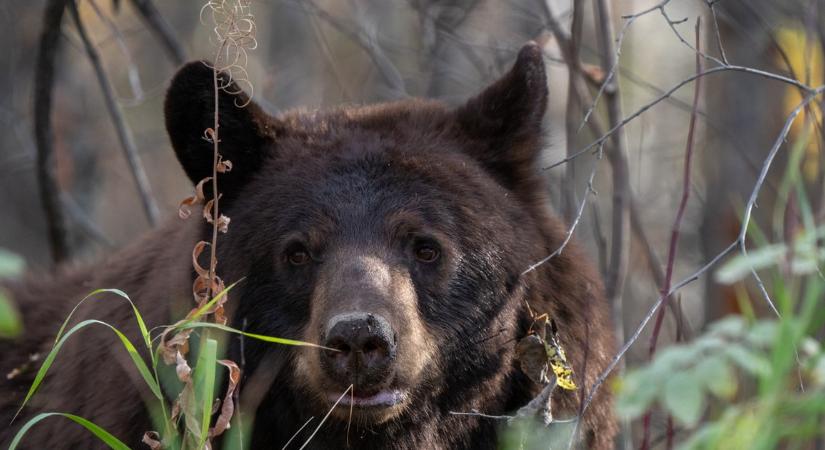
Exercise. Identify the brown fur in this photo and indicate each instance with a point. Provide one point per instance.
(349, 185)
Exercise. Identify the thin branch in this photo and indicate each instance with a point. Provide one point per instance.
(683, 330)
(384, 65)
(156, 22)
(620, 227)
(44, 137)
(675, 233)
(712, 5)
(124, 134)
(569, 46)
(588, 190)
(328, 58)
(607, 135)
(82, 221)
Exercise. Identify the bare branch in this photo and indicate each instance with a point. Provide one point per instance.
(155, 21)
(619, 239)
(44, 138)
(761, 73)
(124, 134)
(674, 237)
(576, 219)
(384, 65)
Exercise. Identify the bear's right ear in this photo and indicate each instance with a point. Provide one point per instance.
(245, 131)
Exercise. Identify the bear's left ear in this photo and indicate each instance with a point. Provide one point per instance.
(504, 122)
(245, 131)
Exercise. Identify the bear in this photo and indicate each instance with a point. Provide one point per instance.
(395, 235)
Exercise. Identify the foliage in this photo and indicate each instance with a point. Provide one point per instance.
(196, 412)
(11, 324)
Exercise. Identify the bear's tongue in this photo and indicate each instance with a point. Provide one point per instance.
(382, 398)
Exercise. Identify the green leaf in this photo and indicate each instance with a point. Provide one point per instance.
(635, 392)
(684, 398)
(718, 376)
(731, 326)
(749, 360)
(762, 333)
(673, 358)
(11, 264)
(136, 358)
(11, 324)
(99, 432)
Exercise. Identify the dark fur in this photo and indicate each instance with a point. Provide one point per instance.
(334, 178)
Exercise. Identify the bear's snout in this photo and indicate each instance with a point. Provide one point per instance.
(363, 348)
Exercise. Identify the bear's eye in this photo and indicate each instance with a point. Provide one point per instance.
(426, 252)
(298, 255)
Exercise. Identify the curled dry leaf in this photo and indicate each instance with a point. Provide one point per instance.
(223, 223)
(182, 368)
(178, 343)
(209, 135)
(152, 439)
(196, 253)
(228, 406)
(184, 210)
(207, 210)
(224, 166)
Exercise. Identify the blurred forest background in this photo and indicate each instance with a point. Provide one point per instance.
(316, 53)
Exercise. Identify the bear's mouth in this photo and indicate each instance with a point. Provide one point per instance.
(386, 398)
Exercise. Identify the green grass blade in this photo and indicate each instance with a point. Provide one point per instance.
(205, 385)
(141, 324)
(47, 362)
(261, 337)
(99, 432)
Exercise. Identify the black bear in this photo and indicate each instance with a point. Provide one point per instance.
(397, 234)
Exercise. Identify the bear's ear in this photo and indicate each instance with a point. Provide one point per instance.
(245, 131)
(504, 122)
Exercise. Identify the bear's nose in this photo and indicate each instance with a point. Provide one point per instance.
(365, 349)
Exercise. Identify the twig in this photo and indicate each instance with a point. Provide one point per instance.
(82, 221)
(124, 134)
(120, 40)
(683, 330)
(620, 227)
(588, 190)
(162, 29)
(384, 65)
(674, 237)
(569, 46)
(328, 58)
(607, 135)
(43, 135)
(712, 5)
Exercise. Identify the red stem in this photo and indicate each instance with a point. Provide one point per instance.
(674, 239)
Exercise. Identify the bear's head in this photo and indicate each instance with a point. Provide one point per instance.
(394, 234)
